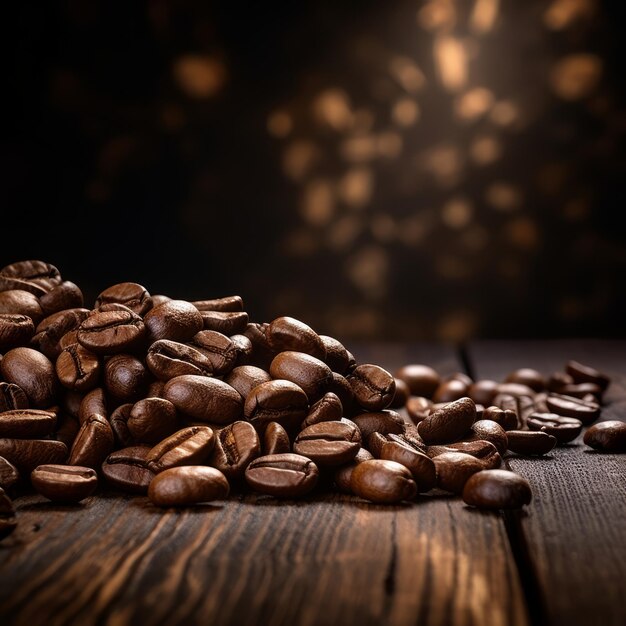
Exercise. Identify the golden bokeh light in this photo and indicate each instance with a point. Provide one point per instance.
(451, 60)
(444, 162)
(576, 76)
(504, 113)
(407, 74)
(405, 112)
(332, 108)
(355, 187)
(199, 76)
(299, 158)
(318, 202)
(503, 196)
(563, 13)
(344, 232)
(367, 269)
(523, 233)
(485, 149)
(389, 144)
(383, 227)
(484, 16)
(473, 104)
(437, 15)
(457, 213)
(279, 124)
(359, 149)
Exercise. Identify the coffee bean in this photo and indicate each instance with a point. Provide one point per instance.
(67, 484)
(609, 436)
(449, 423)
(66, 295)
(262, 352)
(497, 489)
(236, 446)
(27, 423)
(337, 357)
(127, 469)
(329, 443)
(418, 408)
(67, 429)
(242, 347)
(51, 330)
(20, 302)
(125, 378)
(35, 272)
(131, 295)
(93, 443)
(288, 333)
(422, 380)
(450, 390)
(205, 399)
(15, 330)
(167, 359)
(276, 401)
(77, 368)
(343, 474)
(282, 475)
(581, 390)
(528, 377)
(454, 470)
(383, 482)
(384, 422)
(483, 391)
(152, 420)
(111, 332)
(488, 430)
(225, 322)
(34, 373)
(401, 394)
(27, 454)
(558, 380)
(585, 374)
(310, 374)
(421, 466)
(221, 351)
(184, 486)
(505, 417)
(276, 439)
(8, 521)
(373, 386)
(245, 378)
(94, 401)
(189, 446)
(484, 451)
(327, 409)
(564, 429)
(12, 397)
(516, 390)
(340, 386)
(530, 442)
(567, 406)
(229, 303)
(9, 476)
(176, 320)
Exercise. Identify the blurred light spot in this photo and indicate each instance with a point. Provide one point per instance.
(359, 149)
(405, 112)
(576, 76)
(551, 178)
(389, 144)
(367, 269)
(475, 238)
(437, 15)
(523, 233)
(318, 202)
(413, 230)
(503, 196)
(363, 121)
(357, 322)
(301, 243)
(451, 62)
(456, 213)
(408, 75)
(344, 232)
(279, 124)
(355, 187)
(473, 104)
(577, 209)
(484, 15)
(383, 227)
(199, 76)
(485, 150)
(298, 159)
(332, 107)
(563, 13)
(171, 117)
(457, 326)
(443, 162)
(451, 267)
(504, 113)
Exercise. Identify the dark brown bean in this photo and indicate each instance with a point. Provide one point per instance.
(67, 429)
(422, 380)
(275, 439)
(15, 330)
(384, 422)
(93, 402)
(343, 474)
(12, 397)
(580, 390)
(27, 423)
(383, 482)
(77, 368)
(184, 486)
(450, 390)
(418, 408)
(131, 295)
(228, 303)
(401, 394)
(488, 430)
(167, 359)
(176, 320)
(282, 475)
(125, 378)
(66, 295)
(497, 489)
(564, 429)
(567, 406)
(236, 446)
(421, 466)
(516, 390)
(581, 373)
(530, 442)
(225, 322)
(483, 391)
(8, 521)
(221, 351)
(262, 353)
(337, 357)
(340, 386)
(328, 408)
(127, 469)
(276, 401)
(505, 417)
(27, 454)
(242, 346)
(53, 328)
(608, 436)
(288, 333)
(9, 476)
(329, 443)
(373, 386)
(484, 451)
(67, 484)
(20, 302)
(189, 446)
(93, 443)
(151, 420)
(449, 423)
(34, 373)
(111, 332)
(310, 374)
(32, 271)
(454, 470)
(529, 377)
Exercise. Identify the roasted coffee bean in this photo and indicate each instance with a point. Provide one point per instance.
(449, 423)
(483, 391)
(205, 399)
(184, 486)
(337, 357)
(422, 380)
(67, 484)
(497, 489)
(93, 402)
(375, 442)
(383, 482)
(401, 394)
(584, 374)
(608, 436)
(131, 295)
(70, 402)
(488, 430)
(530, 443)
(27, 454)
(343, 474)
(225, 322)
(558, 380)
(9, 476)
(340, 386)
(484, 451)
(125, 378)
(34, 373)
(327, 409)
(236, 446)
(151, 420)
(516, 390)
(245, 378)
(421, 466)
(111, 332)
(529, 377)
(582, 390)
(66, 295)
(33, 271)
(67, 429)
(15, 330)
(220, 350)
(127, 469)
(384, 422)
(262, 352)
(12, 397)
(505, 417)
(276, 439)
(20, 302)
(418, 408)
(568, 406)
(53, 328)
(373, 386)
(93, 443)
(189, 446)
(288, 333)
(329, 443)
(27, 423)
(77, 368)
(276, 401)
(282, 475)
(155, 389)
(167, 359)
(564, 429)
(310, 374)
(410, 437)
(8, 521)
(454, 470)
(176, 320)
(242, 347)
(228, 303)
(450, 390)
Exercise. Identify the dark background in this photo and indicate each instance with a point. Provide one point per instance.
(312, 157)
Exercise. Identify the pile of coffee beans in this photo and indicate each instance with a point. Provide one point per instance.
(186, 401)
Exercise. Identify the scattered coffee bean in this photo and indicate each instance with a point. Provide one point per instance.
(282, 475)
(483, 391)
(329, 443)
(418, 408)
(422, 380)
(236, 445)
(373, 386)
(310, 374)
(127, 469)
(484, 451)
(189, 446)
(497, 489)
(384, 422)
(131, 295)
(564, 429)
(529, 377)
(77, 368)
(276, 401)
(15, 330)
(343, 474)
(176, 320)
(383, 482)
(33, 373)
(27, 423)
(287, 333)
(110, 332)
(337, 357)
(152, 420)
(327, 409)
(450, 390)
(567, 406)
(12, 397)
(609, 436)
(449, 423)
(454, 470)
(126, 378)
(9, 476)
(585, 374)
(184, 486)
(275, 439)
(93, 443)
(528, 442)
(221, 351)
(245, 378)
(27, 454)
(67, 484)
(8, 521)
(488, 430)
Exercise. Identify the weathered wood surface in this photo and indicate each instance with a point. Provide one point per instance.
(328, 560)
(575, 529)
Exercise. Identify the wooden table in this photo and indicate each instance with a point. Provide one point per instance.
(116, 560)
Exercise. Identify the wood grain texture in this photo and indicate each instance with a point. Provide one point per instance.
(252, 560)
(575, 528)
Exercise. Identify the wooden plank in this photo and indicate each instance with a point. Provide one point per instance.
(253, 560)
(574, 531)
